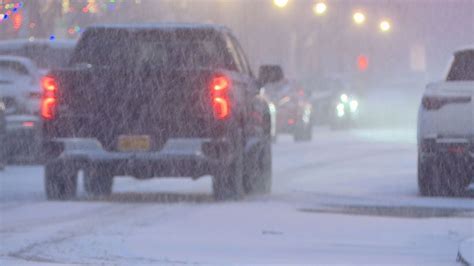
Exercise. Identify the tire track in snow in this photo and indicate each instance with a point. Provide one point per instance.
(79, 226)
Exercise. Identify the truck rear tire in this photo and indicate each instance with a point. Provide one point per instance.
(98, 182)
(453, 174)
(228, 183)
(258, 179)
(60, 181)
(426, 185)
(443, 177)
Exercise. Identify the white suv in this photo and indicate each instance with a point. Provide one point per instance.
(446, 131)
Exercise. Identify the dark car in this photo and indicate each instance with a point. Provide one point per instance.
(147, 101)
(290, 99)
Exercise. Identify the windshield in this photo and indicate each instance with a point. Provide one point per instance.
(237, 132)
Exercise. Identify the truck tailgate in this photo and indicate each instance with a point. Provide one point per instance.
(106, 103)
(456, 117)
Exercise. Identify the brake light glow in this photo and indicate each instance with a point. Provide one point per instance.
(219, 87)
(49, 98)
(221, 108)
(28, 124)
(49, 84)
(220, 83)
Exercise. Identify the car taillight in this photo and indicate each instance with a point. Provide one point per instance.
(436, 102)
(49, 98)
(219, 87)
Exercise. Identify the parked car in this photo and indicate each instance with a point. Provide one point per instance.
(156, 101)
(446, 131)
(293, 109)
(45, 53)
(20, 92)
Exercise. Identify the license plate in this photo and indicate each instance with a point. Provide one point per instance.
(134, 143)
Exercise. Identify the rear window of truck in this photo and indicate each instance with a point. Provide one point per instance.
(462, 68)
(153, 48)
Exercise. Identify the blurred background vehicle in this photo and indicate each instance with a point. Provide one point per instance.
(334, 103)
(293, 108)
(446, 131)
(45, 53)
(22, 63)
(20, 94)
(343, 110)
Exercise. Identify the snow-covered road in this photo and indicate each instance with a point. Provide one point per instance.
(345, 198)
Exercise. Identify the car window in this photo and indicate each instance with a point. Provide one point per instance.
(157, 50)
(12, 68)
(235, 60)
(242, 57)
(462, 68)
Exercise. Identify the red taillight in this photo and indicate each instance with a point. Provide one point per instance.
(219, 87)
(221, 107)
(436, 102)
(28, 124)
(220, 83)
(49, 85)
(49, 98)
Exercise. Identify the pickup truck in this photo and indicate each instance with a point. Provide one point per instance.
(163, 100)
(446, 131)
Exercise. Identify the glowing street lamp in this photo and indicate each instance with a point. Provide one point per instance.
(359, 18)
(320, 8)
(385, 26)
(280, 3)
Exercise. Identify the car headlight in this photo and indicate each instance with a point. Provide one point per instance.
(271, 107)
(344, 98)
(340, 110)
(353, 105)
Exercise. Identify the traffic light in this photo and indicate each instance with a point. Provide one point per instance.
(362, 63)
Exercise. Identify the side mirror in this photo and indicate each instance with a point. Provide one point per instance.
(270, 73)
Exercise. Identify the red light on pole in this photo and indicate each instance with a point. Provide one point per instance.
(17, 21)
(362, 63)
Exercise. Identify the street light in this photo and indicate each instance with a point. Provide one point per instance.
(358, 17)
(385, 26)
(280, 3)
(320, 8)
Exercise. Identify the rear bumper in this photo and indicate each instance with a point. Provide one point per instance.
(459, 149)
(178, 158)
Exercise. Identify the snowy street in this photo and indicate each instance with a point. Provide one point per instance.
(348, 197)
